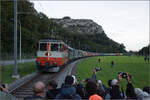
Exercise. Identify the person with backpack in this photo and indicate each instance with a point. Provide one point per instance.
(68, 91)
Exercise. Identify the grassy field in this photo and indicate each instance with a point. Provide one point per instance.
(136, 66)
(6, 72)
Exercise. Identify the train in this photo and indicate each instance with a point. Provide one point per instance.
(52, 55)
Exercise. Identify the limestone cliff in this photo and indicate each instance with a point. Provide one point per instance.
(83, 26)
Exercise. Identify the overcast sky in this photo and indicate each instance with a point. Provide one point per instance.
(125, 22)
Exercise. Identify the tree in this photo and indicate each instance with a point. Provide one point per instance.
(145, 51)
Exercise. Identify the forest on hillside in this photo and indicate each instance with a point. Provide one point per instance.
(145, 51)
(36, 25)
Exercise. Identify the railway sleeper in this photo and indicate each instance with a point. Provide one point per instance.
(24, 90)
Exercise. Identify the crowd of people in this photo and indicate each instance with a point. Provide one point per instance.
(93, 90)
(90, 89)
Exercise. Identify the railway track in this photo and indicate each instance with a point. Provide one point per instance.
(25, 89)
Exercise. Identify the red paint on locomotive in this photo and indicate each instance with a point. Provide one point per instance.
(51, 60)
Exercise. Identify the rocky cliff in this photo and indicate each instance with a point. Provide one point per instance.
(85, 26)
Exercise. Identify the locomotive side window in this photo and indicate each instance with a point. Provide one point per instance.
(54, 47)
(64, 47)
(60, 47)
(43, 46)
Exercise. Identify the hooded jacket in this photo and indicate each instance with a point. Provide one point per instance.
(68, 92)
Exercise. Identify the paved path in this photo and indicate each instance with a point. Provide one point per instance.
(9, 62)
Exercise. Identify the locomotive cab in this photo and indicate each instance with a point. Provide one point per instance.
(51, 55)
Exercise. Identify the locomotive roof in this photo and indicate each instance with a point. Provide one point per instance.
(49, 40)
(55, 41)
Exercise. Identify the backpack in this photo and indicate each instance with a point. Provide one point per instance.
(67, 96)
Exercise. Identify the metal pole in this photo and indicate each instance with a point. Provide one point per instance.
(15, 40)
(79, 45)
(20, 41)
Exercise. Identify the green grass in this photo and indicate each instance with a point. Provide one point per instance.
(136, 66)
(7, 71)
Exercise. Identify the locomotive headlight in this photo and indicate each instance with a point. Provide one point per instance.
(38, 63)
(47, 63)
(54, 64)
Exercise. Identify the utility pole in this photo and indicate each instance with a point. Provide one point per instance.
(15, 41)
(20, 36)
(52, 36)
(79, 45)
(20, 41)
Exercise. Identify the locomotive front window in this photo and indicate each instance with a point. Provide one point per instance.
(43, 46)
(54, 47)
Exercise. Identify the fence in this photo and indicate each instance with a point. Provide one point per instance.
(10, 56)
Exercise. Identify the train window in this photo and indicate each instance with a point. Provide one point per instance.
(54, 47)
(43, 46)
(63, 47)
(60, 47)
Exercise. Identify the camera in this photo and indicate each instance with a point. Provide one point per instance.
(123, 74)
(86, 80)
(2, 85)
(98, 68)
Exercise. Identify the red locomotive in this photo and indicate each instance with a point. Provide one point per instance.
(51, 55)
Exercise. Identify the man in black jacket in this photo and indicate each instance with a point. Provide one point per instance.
(130, 93)
(52, 89)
